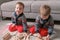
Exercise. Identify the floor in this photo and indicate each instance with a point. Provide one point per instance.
(56, 28)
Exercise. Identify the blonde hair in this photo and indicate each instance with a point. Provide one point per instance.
(47, 7)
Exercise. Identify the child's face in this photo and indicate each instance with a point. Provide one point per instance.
(19, 9)
(43, 11)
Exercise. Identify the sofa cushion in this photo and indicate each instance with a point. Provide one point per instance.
(55, 5)
(10, 6)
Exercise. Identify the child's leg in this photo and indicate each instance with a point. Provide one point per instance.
(12, 28)
(37, 35)
(19, 28)
(21, 34)
(43, 31)
(32, 29)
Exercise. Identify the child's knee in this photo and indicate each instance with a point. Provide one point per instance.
(32, 30)
(20, 29)
(12, 28)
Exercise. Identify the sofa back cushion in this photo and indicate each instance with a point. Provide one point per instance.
(10, 6)
(55, 5)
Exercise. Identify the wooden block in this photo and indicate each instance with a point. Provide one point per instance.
(6, 36)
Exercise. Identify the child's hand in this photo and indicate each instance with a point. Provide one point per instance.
(37, 35)
(29, 35)
(47, 38)
(13, 25)
(24, 34)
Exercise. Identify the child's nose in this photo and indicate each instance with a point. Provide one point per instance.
(18, 9)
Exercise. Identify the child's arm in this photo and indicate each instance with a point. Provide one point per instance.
(13, 19)
(51, 26)
(37, 23)
(24, 23)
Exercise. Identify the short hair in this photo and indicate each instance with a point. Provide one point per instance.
(20, 3)
(47, 7)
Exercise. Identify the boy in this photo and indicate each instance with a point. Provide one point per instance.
(19, 20)
(44, 23)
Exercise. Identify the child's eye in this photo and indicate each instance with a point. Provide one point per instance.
(17, 8)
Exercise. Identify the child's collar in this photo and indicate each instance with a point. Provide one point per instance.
(18, 15)
(46, 19)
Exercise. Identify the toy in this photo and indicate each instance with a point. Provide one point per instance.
(6, 36)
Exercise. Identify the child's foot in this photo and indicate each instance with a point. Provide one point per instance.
(48, 38)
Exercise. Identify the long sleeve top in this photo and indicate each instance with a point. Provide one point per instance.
(47, 23)
(19, 20)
